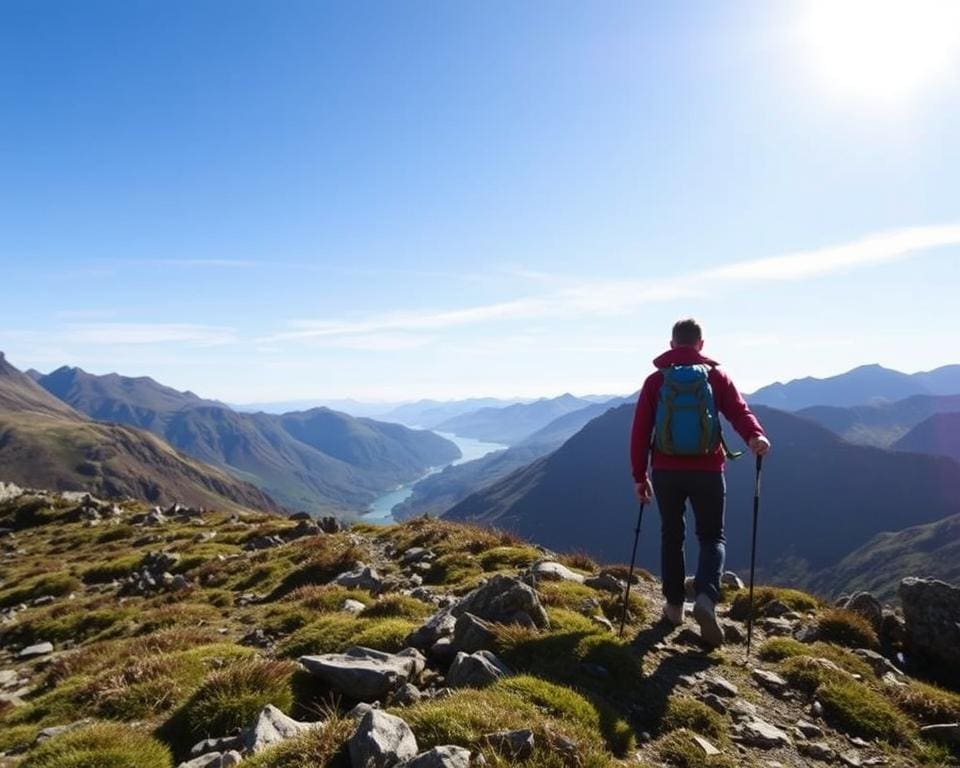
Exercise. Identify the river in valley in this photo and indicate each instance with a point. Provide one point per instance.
(380, 511)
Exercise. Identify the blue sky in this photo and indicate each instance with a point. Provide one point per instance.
(264, 201)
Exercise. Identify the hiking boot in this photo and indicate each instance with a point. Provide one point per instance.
(710, 629)
(673, 613)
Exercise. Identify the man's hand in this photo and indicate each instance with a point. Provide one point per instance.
(644, 491)
(759, 445)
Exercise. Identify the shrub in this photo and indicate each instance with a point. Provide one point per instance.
(685, 712)
(854, 708)
(102, 745)
(927, 703)
(794, 599)
(233, 697)
(847, 628)
(401, 606)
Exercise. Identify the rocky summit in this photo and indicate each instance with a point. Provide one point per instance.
(135, 637)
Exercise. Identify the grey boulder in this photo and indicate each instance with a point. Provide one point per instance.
(381, 741)
(475, 670)
(364, 674)
(440, 757)
(505, 600)
(931, 610)
(271, 728)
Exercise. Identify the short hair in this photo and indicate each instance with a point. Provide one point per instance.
(687, 332)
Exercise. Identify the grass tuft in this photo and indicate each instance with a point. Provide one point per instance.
(102, 745)
(846, 628)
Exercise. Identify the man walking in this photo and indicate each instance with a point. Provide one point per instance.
(678, 407)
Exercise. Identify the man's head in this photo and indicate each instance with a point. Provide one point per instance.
(687, 333)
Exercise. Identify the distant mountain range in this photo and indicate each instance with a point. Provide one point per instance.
(435, 494)
(44, 443)
(882, 424)
(860, 386)
(429, 414)
(823, 497)
(514, 423)
(319, 460)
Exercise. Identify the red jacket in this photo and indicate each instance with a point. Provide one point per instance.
(725, 395)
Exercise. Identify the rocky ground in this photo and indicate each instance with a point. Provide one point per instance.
(155, 638)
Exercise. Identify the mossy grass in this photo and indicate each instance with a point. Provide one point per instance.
(465, 716)
(324, 747)
(807, 673)
(567, 704)
(856, 709)
(572, 658)
(335, 633)
(694, 715)
(318, 562)
(847, 628)
(73, 620)
(230, 699)
(508, 557)
(587, 601)
(17, 737)
(445, 537)
(679, 749)
(117, 568)
(398, 606)
(101, 745)
(127, 686)
(794, 599)
(327, 598)
(48, 584)
(927, 704)
(780, 648)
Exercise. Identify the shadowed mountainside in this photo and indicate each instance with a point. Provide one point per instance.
(319, 460)
(822, 497)
(45, 443)
(882, 424)
(938, 435)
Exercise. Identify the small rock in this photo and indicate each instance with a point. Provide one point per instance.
(472, 634)
(776, 608)
(230, 759)
(272, 727)
(759, 733)
(851, 759)
(605, 582)
(548, 570)
(602, 621)
(216, 745)
(769, 680)
(867, 606)
(732, 633)
(516, 745)
(475, 670)
(708, 749)
(407, 695)
(715, 703)
(57, 730)
(352, 606)
(817, 750)
(381, 741)
(441, 624)
(361, 577)
(721, 687)
(448, 756)
(37, 649)
(809, 730)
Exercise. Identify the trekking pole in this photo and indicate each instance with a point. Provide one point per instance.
(633, 557)
(753, 550)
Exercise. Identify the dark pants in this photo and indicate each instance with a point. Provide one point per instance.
(707, 494)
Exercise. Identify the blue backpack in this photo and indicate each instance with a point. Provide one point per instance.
(686, 421)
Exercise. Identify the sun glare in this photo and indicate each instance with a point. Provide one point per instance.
(882, 50)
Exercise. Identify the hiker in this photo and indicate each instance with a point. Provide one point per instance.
(678, 409)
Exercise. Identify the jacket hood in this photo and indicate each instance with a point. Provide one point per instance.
(682, 356)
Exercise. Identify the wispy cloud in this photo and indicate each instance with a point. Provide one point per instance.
(586, 297)
(214, 263)
(150, 333)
